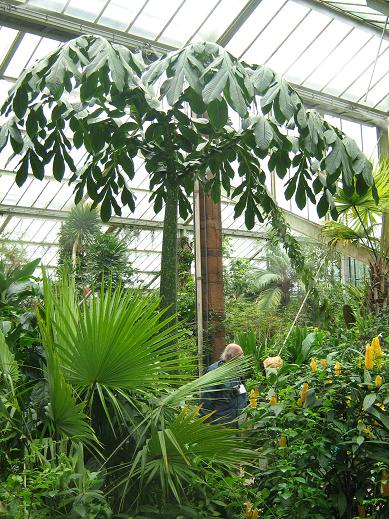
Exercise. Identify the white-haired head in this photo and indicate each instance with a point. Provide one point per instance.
(231, 351)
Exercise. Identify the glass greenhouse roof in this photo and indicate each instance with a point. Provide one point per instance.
(336, 54)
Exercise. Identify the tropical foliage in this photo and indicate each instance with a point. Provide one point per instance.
(90, 254)
(115, 106)
(109, 379)
(323, 422)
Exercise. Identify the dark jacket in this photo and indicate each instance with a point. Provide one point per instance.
(224, 399)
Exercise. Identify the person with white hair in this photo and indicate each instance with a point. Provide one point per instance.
(225, 401)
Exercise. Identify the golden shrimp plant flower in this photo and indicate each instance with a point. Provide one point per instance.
(378, 381)
(369, 357)
(313, 365)
(338, 368)
(303, 392)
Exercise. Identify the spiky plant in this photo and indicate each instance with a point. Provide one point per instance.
(77, 231)
(364, 222)
(107, 259)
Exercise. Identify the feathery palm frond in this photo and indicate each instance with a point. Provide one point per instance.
(171, 455)
(269, 299)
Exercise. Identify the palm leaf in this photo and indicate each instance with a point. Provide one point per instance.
(265, 278)
(269, 299)
(116, 344)
(227, 371)
(338, 231)
(9, 370)
(66, 418)
(356, 209)
(171, 456)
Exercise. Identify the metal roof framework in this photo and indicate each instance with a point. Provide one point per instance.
(334, 53)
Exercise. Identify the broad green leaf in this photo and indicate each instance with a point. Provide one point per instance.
(238, 101)
(20, 102)
(263, 133)
(334, 158)
(218, 113)
(322, 206)
(36, 166)
(369, 400)
(262, 79)
(58, 166)
(22, 172)
(285, 100)
(216, 85)
(106, 208)
(300, 197)
(268, 98)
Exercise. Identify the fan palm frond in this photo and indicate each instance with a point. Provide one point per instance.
(112, 344)
(358, 211)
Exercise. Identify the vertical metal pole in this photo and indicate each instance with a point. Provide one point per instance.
(198, 277)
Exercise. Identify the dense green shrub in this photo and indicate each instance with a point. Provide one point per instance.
(323, 430)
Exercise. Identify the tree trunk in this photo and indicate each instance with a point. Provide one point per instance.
(378, 292)
(168, 283)
(212, 274)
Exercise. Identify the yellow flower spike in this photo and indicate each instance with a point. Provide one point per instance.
(324, 363)
(329, 381)
(378, 381)
(253, 403)
(249, 510)
(303, 392)
(273, 399)
(282, 441)
(254, 393)
(369, 357)
(338, 368)
(299, 402)
(313, 365)
(255, 513)
(376, 347)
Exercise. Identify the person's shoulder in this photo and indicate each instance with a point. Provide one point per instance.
(214, 365)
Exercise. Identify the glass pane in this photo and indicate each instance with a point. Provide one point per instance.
(262, 15)
(186, 21)
(7, 37)
(85, 10)
(22, 55)
(52, 5)
(378, 90)
(44, 48)
(298, 42)
(276, 31)
(120, 13)
(154, 17)
(5, 86)
(219, 20)
(317, 52)
(335, 62)
(361, 85)
(362, 60)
